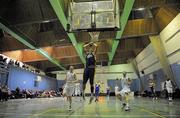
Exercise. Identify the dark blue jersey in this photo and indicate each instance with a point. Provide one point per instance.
(90, 60)
(97, 88)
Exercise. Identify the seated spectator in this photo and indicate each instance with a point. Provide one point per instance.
(5, 93)
(28, 94)
(24, 93)
(0, 92)
(61, 91)
(53, 93)
(17, 92)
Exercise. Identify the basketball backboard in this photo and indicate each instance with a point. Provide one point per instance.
(93, 16)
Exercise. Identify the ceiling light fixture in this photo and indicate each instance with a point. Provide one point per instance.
(140, 9)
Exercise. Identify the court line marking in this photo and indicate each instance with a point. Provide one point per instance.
(156, 114)
(151, 112)
(92, 115)
(16, 114)
(43, 112)
(107, 116)
(49, 110)
(160, 102)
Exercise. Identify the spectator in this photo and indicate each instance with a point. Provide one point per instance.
(108, 91)
(17, 92)
(5, 93)
(61, 90)
(0, 92)
(152, 85)
(28, 94)
(168, 86)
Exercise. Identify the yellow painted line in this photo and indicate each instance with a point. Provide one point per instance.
(155, 114)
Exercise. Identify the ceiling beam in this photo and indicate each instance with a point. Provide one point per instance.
(26, 41)
(27, 12)
(124, 18)
(141, 27)
(61, 52)
(165, 15)
(39, 11)
(57, 6)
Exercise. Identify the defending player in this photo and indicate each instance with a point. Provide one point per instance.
(169, 85)
(125, 92)
(71, 80)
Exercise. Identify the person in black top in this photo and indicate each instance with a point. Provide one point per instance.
(89, 71)
(17, 92)
(1, 93)
(4, 93)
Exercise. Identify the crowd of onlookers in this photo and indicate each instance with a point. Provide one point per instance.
(6, 94)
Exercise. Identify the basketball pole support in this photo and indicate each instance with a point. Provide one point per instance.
(58, 8)
(29, 43)
(123, 21)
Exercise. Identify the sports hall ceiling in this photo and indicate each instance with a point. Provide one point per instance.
(37, 21)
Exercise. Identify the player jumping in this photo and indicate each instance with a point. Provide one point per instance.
(89, 71)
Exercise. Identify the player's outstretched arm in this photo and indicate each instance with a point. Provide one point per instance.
(95, 48)
(85, 48)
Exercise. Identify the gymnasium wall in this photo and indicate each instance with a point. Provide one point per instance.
(3, 78)
(60, 83)
(26, 80)
(103, 74)
(148, 61)
(170, 37)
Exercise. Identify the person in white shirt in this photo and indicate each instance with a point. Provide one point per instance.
(125, 92)
(77, 89)
(168, 85)
(152, 85)
(71, 80)
(108, 91)
(116, 89)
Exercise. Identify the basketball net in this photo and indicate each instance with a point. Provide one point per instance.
(94, 36)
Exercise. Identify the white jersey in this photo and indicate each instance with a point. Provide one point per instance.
(77, 89)
(168, 84)
(70, 78)
(69, 86)
(124, 83)
(78, 85)
(125, 86)
(116, 89)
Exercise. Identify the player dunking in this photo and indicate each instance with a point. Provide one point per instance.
(89, 71)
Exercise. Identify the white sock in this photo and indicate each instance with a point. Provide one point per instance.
(127, 104)
(92, 95)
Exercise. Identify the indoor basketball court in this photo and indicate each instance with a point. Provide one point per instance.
(89, 58)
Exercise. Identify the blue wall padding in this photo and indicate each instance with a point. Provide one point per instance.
(159, 78)
(176, 72)
(135, 85)
(3, 78)
(25, 80)
(112, 84)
